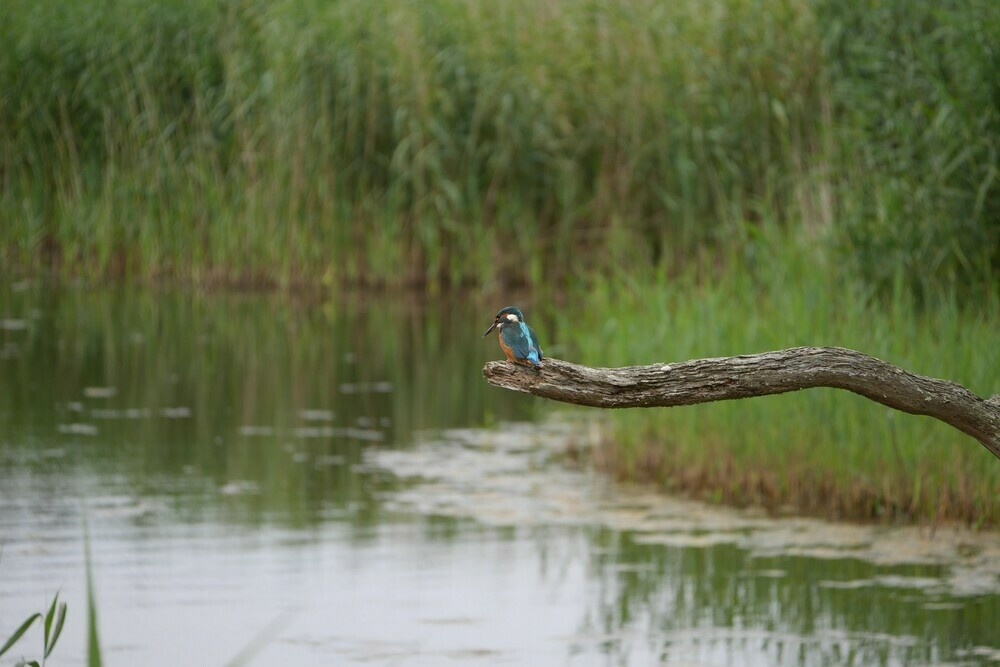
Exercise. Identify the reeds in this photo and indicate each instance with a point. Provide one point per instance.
(467, 142)
(823, 451)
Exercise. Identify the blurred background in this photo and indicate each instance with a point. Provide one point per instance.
(247, 249)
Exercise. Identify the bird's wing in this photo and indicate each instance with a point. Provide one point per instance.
(534, 340)
(519, 340)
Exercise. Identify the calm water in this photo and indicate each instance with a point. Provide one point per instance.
(310, 482)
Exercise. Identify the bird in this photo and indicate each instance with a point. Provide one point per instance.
(517, 340)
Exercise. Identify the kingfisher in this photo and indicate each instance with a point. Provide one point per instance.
(517, 340)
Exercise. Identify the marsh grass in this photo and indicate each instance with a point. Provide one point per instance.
(454, 142)
(917, 88)
(822, 450)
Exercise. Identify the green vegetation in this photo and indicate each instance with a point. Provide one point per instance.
(825, 451)
(52, 622)
(455, 142)
(916, 87)
(93, 641)
(764, 172)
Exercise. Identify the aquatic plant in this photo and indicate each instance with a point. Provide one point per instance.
(52, 623)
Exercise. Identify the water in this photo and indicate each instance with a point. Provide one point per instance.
(316, 482)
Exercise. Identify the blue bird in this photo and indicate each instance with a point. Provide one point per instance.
(517, 340)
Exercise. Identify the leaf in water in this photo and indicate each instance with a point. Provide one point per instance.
(20, 631)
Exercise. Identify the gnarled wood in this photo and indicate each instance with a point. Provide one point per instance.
(727, 378)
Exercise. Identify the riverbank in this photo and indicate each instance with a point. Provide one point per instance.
(821, 451)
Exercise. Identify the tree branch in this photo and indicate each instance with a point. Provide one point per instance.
(727, 378)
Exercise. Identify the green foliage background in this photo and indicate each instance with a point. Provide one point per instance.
(459, 142)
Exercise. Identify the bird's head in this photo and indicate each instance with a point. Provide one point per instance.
(503, 316)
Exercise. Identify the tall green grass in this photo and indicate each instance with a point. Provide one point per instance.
(917, 92)
(474, 142)
(823, 450)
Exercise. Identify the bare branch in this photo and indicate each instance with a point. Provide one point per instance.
(727, 378)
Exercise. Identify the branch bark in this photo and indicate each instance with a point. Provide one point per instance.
(744, 376)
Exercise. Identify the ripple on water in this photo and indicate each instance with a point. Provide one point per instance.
(77, 428)
(100, 392)
(317, 415)
(124, 413)
(383, 387)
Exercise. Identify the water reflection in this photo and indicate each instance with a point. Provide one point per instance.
(180, 392)
(318, 474)
(697, 584)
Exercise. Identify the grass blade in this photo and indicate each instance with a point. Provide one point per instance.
(93, 643)
(20, 631)
(50, 616)
(60, 619)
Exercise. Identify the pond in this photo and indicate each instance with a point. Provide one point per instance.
(305, 481)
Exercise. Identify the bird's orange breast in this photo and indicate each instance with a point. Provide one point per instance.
(510, 353)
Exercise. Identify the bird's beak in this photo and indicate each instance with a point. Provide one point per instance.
(492, 327)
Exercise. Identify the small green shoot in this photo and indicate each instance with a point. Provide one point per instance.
(57, 613)
(53, 625)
